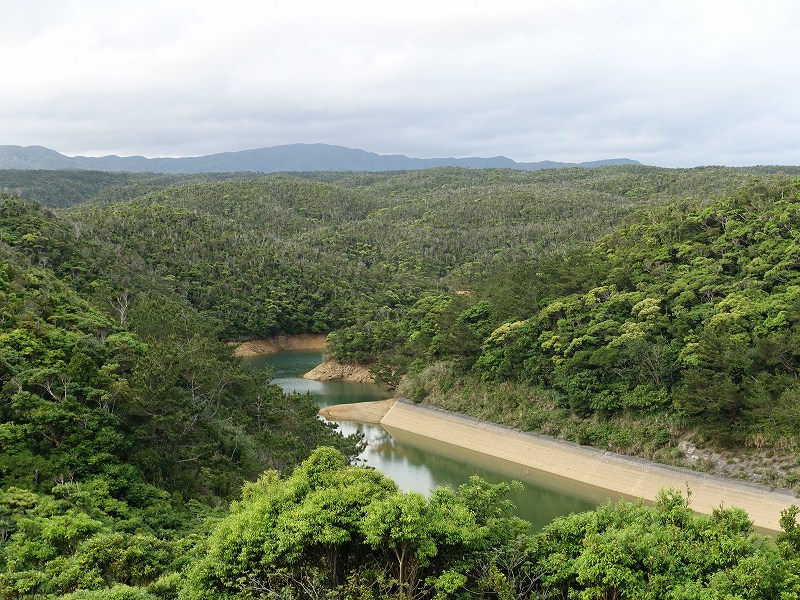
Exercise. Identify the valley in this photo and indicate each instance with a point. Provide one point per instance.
(645, 311)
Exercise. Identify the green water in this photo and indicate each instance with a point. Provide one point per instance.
(421, 464)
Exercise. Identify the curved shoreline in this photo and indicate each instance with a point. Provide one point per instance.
(626, 475)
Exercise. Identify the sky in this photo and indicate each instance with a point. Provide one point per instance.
(673, 83)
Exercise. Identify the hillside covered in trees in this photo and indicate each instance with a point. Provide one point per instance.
(627, 307)
(681, 325)
(125, 423)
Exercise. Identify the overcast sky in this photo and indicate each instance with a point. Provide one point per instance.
(669, 83)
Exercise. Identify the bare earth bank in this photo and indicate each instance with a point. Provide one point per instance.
(626, 475)
(279, 343)
(330, 370)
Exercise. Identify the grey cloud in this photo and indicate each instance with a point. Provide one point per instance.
(670, 83)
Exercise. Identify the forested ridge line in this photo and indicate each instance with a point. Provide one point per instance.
(305, 256)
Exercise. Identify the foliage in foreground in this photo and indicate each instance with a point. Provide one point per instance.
(331, 530)
(121, 434)
(125, 421)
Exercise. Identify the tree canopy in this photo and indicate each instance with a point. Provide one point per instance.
(628, 307)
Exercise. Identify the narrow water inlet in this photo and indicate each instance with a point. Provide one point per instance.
(421, 464)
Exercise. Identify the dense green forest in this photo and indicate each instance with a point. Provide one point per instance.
(59, 189)
(628, 307)
(680, 325)
(125, 426)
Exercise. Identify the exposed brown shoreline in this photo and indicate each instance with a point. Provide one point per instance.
(331, 370)
(328, 370)
(279, 343)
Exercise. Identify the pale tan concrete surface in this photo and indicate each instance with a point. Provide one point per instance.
(360, 412)
(622, 474)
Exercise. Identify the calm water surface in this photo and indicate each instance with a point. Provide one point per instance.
(420, 464)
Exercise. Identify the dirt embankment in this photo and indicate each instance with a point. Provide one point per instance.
(279, 343)
(331, 370)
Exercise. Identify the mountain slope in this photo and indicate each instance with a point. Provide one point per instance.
(292, 157)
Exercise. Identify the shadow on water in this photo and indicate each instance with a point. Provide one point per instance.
(421, 464)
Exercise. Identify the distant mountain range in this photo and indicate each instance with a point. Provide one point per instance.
(292, 157)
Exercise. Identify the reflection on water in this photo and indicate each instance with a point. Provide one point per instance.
(421, 464)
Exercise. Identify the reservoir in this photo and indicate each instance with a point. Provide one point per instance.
(421, 464)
